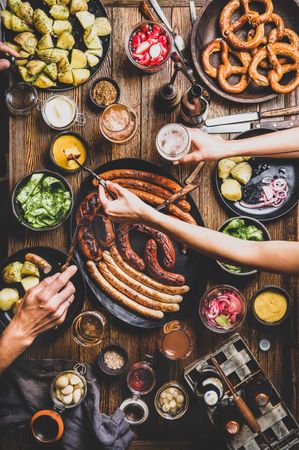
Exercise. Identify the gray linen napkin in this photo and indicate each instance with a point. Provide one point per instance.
(25, 389)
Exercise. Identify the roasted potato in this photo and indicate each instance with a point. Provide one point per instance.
(29, 282)
(27, 41)
(50, 2)
(35, 67)
(29, 268)
(96, 51)
(45, 54)
(45, 42)
(8, 297)
(78, 59)
(25, 75)
(6, 18)
(51, 71)
(64, 65)
(78, 5)
(231, 190)
(85, 18)
(66, 77)
(58, 54)
(63, 2)
(66, 40)
(92, 60)
(14, 5)
(18, 24)
(80, 76)
(224, 168)
(42, 22)
(23, 62)
(12, 272)
(60, 26)
(91, 39)
(15, 47)
(242, 172)
(25, 12)
(43, 82)
(102, 26)
(60, 12)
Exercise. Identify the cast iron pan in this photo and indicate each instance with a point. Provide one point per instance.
(192, 265)
(206, 29)
(56, 258)
(272, 166)
(95, 7)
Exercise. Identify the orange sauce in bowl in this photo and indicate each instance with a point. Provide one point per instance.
(70, 144)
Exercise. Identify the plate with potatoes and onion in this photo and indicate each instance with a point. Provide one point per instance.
(63, 42)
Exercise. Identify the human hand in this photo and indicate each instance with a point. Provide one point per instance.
(44, 306)
(127, 207)
(4, 63)
(204, 148)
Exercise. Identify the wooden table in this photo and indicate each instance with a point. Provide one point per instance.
(29, 140)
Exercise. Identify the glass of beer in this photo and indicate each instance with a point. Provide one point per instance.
(173, 141)
(89, 328)
(176, 340)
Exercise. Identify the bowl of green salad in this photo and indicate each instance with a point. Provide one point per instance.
(42, 200)
(248, 229)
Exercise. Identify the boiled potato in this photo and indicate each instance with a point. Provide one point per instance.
(8, 297)
(58, 54)
(66, 77)
(96, 51)
(12, 272)
(80, 76)
(34, 68)
(27, 41)
(78, 59)
(60, 12)
(43, 82)
(91, 39)
(42, 22)
(78, 5)
(23, 62)
(14, 5)
(51, 71)
(18, 24)
(63, 2)
(66, 40)
(242, 172)
(64, 65)
(15, 47)
(25, 12)
(28, 267)
(45, 54)
(60, 26)
(224, 168)
(45, 42)
(92, 59)
(85, 18)
(29, 282)
(50, 2)
(6, 18)
(102, 26)
(231, 190)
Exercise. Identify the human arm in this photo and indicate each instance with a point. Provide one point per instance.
(281, 144)
(43, 307)
(4, 63)
(272, 256)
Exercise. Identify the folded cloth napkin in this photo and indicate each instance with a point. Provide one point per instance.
(25, 389)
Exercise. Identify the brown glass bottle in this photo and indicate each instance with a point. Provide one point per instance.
(227, 418)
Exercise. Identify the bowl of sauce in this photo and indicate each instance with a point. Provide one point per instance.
(271, 305)
(65, 143)
(60, 112)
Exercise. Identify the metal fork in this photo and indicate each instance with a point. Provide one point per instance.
(14, 59)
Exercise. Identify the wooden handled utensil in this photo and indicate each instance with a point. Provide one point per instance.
(241, 405)
(145, 10)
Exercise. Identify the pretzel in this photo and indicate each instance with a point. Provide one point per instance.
(278, 70)
(229, 29)
(226, 69)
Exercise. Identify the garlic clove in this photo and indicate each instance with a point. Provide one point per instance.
(67, 390)
(61, 382)
(74, 379)
(76, 395)
(67, 399)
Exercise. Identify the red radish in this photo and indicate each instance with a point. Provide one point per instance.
(142, 36)
(145, 59)
(163, 39)
(142, 48)
(156, 29)
(136, 40)
(153, 35)
(145, 28)
(155, 51)
(136, 57)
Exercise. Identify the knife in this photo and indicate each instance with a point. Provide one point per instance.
(242, 127)
(251, 116)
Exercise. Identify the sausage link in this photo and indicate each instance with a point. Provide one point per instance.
(127, 252)
(40, 262)
(88, 209)
(148, 281)
(103, 230)
(156, 270)
(88, 244)
(164, 242)
(118, 296)
(137, 283)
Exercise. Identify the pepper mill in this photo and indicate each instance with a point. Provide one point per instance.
(169, 95)
(195, 106)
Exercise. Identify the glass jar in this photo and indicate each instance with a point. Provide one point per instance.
(176, 340)
(21, 99)
(88, 328)
(171, 401)
(154, 38)
(118, 123)
(60, 112)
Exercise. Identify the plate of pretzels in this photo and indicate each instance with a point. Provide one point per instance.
(247, 51)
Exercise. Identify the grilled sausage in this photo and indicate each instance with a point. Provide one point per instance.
(142, 175)
(137, 284)
(88, 209)
(40, 262)
(88, 243)
(134, 295)
(118, 296)
(156, 270)
(164, 242)
(103, 230)
(148, 281)
(126, 250)
(152, 189)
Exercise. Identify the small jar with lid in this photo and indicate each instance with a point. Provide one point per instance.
(21, 99)
(141, 380)
(171, 401)
(68, 390)
(60, 112)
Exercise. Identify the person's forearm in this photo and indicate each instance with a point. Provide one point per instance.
(273, 256)
(279, 144)
(12, 344)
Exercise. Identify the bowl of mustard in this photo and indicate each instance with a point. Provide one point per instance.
(66, 143)
(271, 305)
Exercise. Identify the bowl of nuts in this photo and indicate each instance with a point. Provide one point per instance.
(113, 360)
(171, 401)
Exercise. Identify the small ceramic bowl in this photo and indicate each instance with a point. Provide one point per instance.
(113, 348)
(249, 221)
(112, 81)
(279, 290)
(78, 136)
(17, 210)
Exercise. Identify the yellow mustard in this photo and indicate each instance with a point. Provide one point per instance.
(270, 306)
(68, 142)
